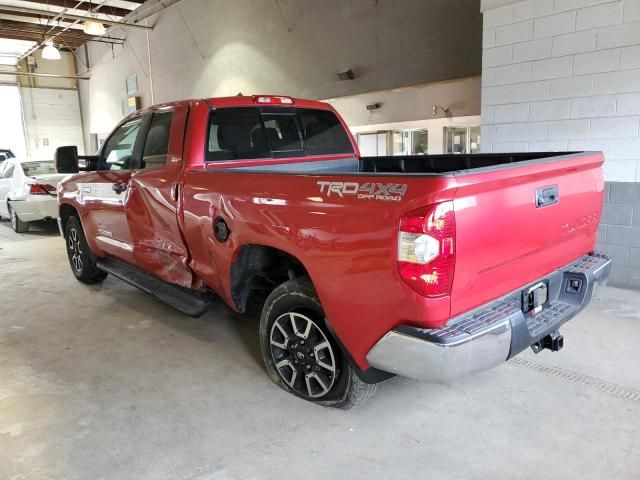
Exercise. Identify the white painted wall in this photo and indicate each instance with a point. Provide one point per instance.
(206, 48)
(11, 132)
(52, 116)
(460, 96)
(563, 75)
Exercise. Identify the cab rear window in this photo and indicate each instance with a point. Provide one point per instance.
(251, 132)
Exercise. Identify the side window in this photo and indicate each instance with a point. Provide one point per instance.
(8, 171)
(156, 145)
(236, 133)
(283, 134)
(118, 151)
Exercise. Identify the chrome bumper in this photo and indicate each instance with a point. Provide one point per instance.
(489, 335)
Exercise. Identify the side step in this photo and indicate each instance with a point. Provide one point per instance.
(182, 299)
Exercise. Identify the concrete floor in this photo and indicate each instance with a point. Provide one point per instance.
(105, 382)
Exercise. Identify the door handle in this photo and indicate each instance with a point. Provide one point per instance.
(547, 196)
(119, 187)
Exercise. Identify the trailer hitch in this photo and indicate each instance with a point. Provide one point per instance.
(554, 342)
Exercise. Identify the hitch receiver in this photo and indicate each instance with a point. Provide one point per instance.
(554, 342)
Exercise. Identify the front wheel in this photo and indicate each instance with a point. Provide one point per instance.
(300, 353)
(81, 258)
(18, 225)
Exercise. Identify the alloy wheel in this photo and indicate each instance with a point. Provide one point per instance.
(74, 249)
(14, 219)
(302, 354)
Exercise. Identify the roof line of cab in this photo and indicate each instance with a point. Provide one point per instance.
(238, 101)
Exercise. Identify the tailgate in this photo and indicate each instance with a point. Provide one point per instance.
(515, 224)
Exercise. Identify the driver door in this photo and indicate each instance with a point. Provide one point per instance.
(106, 192)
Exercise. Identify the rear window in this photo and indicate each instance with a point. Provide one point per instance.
(38, 168)
(252, 132)
(323, 132)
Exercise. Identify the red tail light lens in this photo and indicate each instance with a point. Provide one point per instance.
(426, 249)
(41, 189)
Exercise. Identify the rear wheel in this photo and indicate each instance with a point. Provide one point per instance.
(18, 225)
(81, 258)
(300, 353)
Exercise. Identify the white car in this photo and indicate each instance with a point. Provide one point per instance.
(28, 191)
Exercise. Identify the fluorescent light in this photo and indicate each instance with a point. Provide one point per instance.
(49, 52)
(91, 27)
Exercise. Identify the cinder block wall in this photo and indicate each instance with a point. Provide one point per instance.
(563, 75)
(619, 233)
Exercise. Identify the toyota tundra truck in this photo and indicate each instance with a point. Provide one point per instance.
(430, 267)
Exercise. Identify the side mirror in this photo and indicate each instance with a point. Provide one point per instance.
(88, 163)
(66, 159)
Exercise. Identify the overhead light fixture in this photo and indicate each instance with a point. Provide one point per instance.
(91, 25)
(49, 52)
(374, 106)
(94, 28)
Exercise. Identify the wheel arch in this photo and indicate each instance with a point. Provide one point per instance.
(260, 268)
(66, 210)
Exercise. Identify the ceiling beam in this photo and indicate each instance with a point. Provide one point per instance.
(65, 39)
(44, 21)
(73, 43)
(48, 13)
(85, 6)
(47, 75)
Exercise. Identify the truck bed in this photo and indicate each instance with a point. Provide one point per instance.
(322, 212)
(447, 164)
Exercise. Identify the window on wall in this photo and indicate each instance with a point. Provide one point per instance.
(400, 142)
(474, 139)
(419, 142)
(462, 139)
(395, 142)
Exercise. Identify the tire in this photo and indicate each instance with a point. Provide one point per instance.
(294, 338)
(81, 258)
(18, 225)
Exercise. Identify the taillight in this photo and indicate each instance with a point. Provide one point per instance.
(41, 189)
(426, 249)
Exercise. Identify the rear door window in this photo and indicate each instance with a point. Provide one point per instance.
(237, 133)
(156, 145)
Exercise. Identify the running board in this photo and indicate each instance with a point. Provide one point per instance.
(182, 299)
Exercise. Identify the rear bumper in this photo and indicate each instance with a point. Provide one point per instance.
(489, 335)
(36, 208)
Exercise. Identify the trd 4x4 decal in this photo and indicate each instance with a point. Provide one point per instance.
(367, 191)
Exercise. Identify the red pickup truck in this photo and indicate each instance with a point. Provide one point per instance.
(431, 267)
